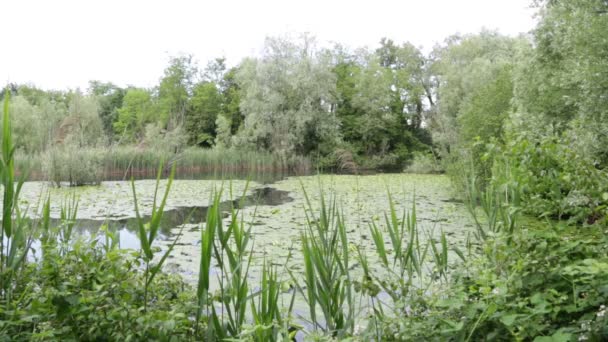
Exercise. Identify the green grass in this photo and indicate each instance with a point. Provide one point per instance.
(89, 165)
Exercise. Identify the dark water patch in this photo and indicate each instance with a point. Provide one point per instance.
(452, 200)
(172, 218)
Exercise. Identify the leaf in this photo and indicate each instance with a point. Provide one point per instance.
(557, 337)
(509, 319)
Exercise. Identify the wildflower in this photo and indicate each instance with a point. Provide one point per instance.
(496, 291)
(583, 338)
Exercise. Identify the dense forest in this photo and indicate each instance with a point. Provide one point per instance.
(519, 124)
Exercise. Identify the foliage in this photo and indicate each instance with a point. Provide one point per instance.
(562, 81)
(95, 295)
(137, 111)
(327, 283)
(175, 90)
(522, 280)
(14, 239)
(474, 95)
(72, 165)
(294, 101)
(227, 308)
(204, 108)
(424, 163)
(381, 103)
(286, 97)
(32, 133)
(110, 99)
(556, 181)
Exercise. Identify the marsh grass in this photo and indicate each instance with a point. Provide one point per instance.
(74, 166)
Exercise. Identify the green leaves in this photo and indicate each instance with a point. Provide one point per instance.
(147, 231)
(327, 278)
(14, 239)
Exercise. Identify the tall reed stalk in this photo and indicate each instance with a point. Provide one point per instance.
(228, 247)
(14, 242)
(327, 282)
(147, 232)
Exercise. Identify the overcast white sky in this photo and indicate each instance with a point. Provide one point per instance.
(60, 44)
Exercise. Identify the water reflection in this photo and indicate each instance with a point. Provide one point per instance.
(172, 218)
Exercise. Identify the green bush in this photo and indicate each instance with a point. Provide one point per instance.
(88, 294)
(424, 163)
(521, 281)
(556, 181)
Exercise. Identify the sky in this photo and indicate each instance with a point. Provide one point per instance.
(63, 44)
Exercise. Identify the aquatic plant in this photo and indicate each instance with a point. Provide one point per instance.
(76, 166)
(327, 282)
(147, 232)
(14, 238)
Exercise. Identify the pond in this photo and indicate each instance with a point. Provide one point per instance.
(276, 213)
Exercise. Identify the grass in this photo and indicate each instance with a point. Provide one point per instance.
(76, 166)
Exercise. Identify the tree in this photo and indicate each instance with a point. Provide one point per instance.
(137, 110)
(110, 99)
(347, 69)
(175, 89)
(287, 96)
(82, 127)
(203, 111)
(467, 67)
(35, 126)
(411, 84)
(231, 100)
(474, 96)
(563, 81)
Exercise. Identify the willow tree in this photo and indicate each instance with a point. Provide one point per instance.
(35, 125)
(474, 94)
(563, 81)
(286, 98)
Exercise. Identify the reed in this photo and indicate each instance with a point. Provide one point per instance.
(327, 282)
(74, 166)
(15, 240)
(147, 232)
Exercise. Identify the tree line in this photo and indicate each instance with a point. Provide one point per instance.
(343, 107)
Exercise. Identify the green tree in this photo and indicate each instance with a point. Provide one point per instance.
(110, 99)
(175, 90)
(231, 100)
(137, 110)
(82, 127)
(467, 69)
(203, 111)
(411, 84)
(347, 70)
(35, 126)
(563, 81)
(287, 96)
